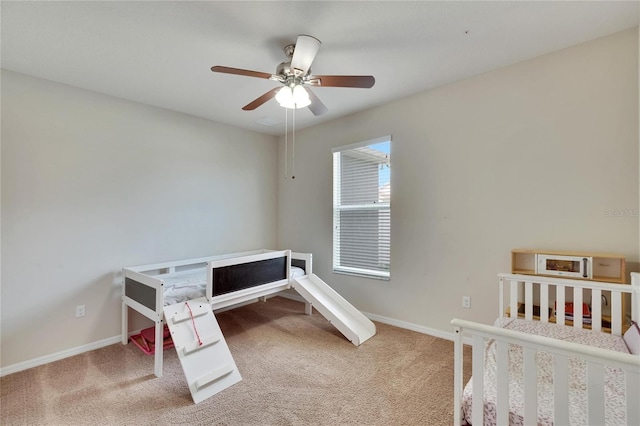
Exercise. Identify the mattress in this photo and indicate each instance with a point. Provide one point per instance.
(615, 412)
(296, 272)
(183, 286)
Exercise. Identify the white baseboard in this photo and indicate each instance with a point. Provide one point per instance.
(411, 326)
(395, 322)
(467, 340)
(14, 368)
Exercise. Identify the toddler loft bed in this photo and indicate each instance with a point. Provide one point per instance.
(532, 371)
(226, 280)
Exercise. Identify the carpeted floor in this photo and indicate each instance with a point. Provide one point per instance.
(296, 370)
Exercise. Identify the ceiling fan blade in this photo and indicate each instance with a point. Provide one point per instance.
(361, 81)
(261, 100)
(316, 106)
(304, 53)
(239, 71)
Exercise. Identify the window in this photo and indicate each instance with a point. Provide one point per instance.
(362, 208)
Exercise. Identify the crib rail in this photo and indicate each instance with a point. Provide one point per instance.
(596, 360)
(548, 296)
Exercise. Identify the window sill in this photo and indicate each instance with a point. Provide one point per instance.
(359, 273)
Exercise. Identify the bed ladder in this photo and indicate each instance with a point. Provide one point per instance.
(204, 354)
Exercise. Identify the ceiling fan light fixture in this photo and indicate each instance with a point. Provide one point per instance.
(293, 97)
(301, 97)
(285, 96)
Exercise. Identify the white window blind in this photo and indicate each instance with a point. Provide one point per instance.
(362, 208)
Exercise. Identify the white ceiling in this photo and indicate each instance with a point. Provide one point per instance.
(160, 52)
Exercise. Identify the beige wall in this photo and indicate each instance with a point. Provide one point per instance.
(91, 184)
(533, 155)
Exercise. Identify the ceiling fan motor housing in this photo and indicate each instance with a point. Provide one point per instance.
(284, 70)
(288, 50)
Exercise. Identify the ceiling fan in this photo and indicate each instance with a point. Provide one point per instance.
(295, 75)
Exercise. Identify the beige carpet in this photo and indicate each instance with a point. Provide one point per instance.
(296, 370)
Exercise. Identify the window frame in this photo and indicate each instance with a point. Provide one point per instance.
(337, 207)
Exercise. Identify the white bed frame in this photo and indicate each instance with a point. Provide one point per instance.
(148, 298)
(537, 288)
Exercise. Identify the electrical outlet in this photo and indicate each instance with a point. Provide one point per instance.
(466, 302)
(79, 311)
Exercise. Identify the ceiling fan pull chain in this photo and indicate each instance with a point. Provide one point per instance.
(293, 144)
(286, 144)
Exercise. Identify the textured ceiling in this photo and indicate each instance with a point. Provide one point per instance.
(160, 53)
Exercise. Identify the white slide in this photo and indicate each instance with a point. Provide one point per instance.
(342, 314)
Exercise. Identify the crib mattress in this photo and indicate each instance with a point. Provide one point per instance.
(615, 412)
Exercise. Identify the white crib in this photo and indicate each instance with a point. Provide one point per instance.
(525, 375)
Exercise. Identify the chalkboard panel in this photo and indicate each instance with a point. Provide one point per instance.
(227, 279)
(300, 263)
(140, 293)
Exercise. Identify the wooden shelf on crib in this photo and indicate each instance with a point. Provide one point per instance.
(606, 319)
(607, 267)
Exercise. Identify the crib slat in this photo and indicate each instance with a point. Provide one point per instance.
(501, 301)
(577, 307)
(633, 394)
(477, 405)
(560, 305)
(544, 302)
(616, 313)
(560, 390)
(513, 303)
(502, 391)
(595, 393)
(528, 300)
(530, 413)
(596, 309)
(457, 380)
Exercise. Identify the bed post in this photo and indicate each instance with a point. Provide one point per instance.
(159, 348)
(125, 319)
(125, 314)
(457, 376)
(158, 361)
(308, 269)
(501, 302)
(635, 297)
